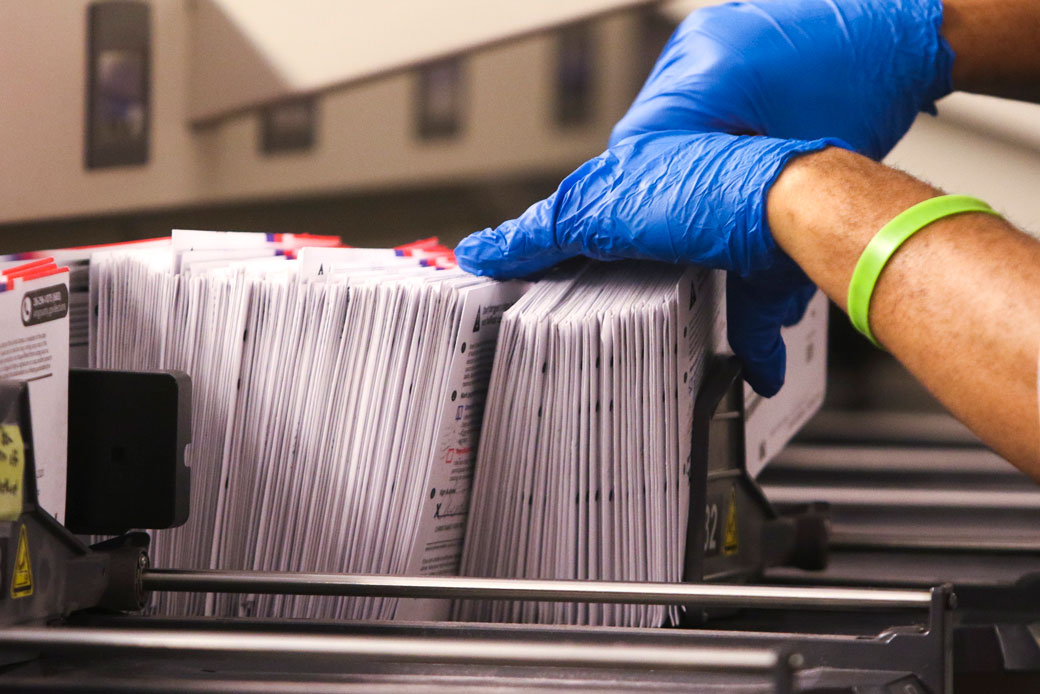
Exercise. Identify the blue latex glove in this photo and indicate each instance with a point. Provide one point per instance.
(858, 70)
(679, 197)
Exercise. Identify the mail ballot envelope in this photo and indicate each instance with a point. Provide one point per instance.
(34, 347)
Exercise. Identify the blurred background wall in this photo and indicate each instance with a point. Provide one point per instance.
(442, 148)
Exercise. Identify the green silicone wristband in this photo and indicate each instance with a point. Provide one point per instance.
(887, 241)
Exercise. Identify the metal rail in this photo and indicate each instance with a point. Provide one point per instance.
(885, 427)
(88, 640)
(866, 540)
(700, 594)
(904, 461)
(966, 499)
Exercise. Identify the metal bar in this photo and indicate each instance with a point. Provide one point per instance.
(918, 428)
(903, 461)
(850, 539)
(968, 499)
(700, 594)
(396, 648)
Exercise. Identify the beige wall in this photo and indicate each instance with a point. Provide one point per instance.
(247, 52)
(980, 146)
(366, 143)
(365, 138)
(42, 73)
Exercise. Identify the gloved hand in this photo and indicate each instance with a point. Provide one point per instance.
(859, 70)
(679, 197)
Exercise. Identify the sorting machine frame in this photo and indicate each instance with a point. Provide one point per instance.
(771, 626)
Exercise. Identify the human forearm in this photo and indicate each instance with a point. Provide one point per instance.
(958, 304)
(995, 45)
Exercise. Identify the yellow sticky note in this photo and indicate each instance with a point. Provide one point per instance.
(12, 471)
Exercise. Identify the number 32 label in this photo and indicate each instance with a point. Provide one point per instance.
(711, 529)
(721, 532)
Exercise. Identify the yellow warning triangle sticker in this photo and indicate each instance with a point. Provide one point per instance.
(22, 578)
(731, 536)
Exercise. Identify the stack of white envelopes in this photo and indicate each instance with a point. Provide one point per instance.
(337, 402)
(583, 469)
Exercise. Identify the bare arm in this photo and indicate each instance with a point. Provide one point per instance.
(997, 46)
(958, 304)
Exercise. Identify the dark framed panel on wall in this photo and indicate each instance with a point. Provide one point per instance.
(440, 99)
(289, 126)
(119, 113)
(575, 83)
